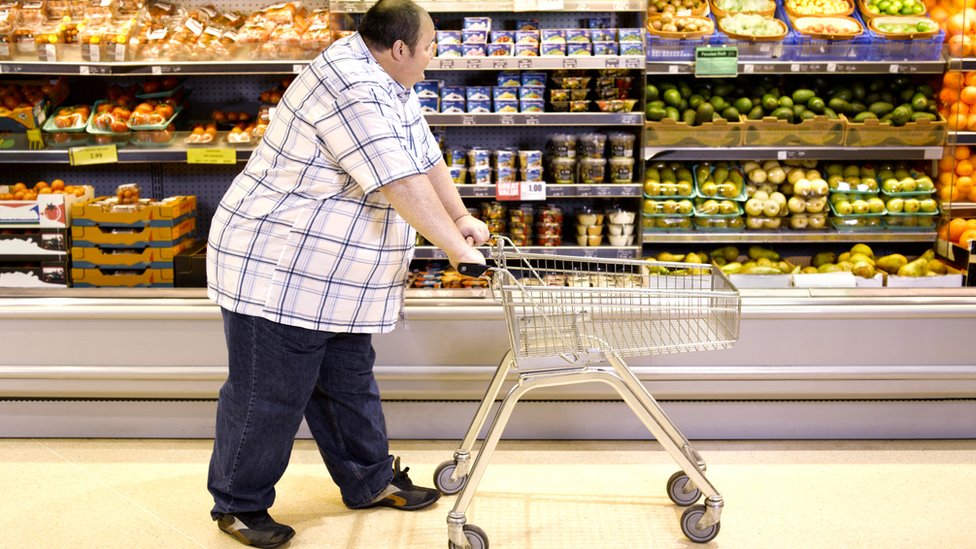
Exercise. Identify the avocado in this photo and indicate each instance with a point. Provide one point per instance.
(839, 105)
(672, 97)
(695, 100)
(901, 115)
(651, 92)
(770, 103)
(803, 95)
(655, 113)
(786, 101)
(690, 117)
(783, 113)
(704, 113)
(866, 115)
(881, 108)
(920, 102)
(756, 113)
(916, 116)
(743, 104)
(816, 105)
(672, 113)
(718, 102)
(731, 114)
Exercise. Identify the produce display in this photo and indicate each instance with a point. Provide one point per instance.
(675, 6)
(743, 6)
(835, 27)
(670, 26)
(752, 24)
(818, 7)
(892, 7)
(477, 39)
(21, 191)
(898, 25)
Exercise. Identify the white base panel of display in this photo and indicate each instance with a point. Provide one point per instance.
(718, 420)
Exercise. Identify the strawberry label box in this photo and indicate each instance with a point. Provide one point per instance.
(46, 211)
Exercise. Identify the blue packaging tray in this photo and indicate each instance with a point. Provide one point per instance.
(807, 48)
(922, 49)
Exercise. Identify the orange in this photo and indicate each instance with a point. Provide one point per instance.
(963, 183)
(949, 95)
(953, 79)
(960, 45)
(956, 227)
(947, 163)
(971, 122)
(962, 152)
(966, 237)
(943, 232)
(964, 167)
(939, 14)
(968, 95)
(946, 178)
(19, 186)
(971, 197)
(959, 108)
(57, 185)
(957, 121)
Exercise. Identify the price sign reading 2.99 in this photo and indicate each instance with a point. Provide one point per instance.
(84, 156)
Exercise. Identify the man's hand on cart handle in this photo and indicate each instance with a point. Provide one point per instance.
(469, 256)
(473, 269)
(475, 231)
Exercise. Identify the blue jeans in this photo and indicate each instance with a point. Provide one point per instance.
(276, 375)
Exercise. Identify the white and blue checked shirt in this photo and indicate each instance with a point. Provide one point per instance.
(302, 237)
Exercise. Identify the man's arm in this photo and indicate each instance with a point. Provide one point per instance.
(471, 228)
(415, 199)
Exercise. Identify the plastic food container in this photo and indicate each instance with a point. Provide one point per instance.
(621, 170)
(563, 170)
(592, 170)
(621, 144)
(592, 145)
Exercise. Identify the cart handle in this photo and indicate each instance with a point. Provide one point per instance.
(473, 269)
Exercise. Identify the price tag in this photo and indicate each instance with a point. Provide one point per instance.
(297, 68)
(716, 62)
(533, 190)
(525, 63)
(590, 252)
(570, 63)
(156, 69)
(507, 119)
(499, 64)
(211, 156)
(831, 67)
(101, 154)
(474, 63)
(524, 190)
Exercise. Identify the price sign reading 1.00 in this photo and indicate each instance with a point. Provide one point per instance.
(101, 154)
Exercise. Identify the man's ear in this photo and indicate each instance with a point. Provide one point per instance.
(399, 50)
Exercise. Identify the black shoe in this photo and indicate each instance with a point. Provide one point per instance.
(403, 495)
(255, 528)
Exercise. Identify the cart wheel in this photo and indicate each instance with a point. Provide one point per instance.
(676, 486)
(477, 538)
(689, 525)
(442, 478)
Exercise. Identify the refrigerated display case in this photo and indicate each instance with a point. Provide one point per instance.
(148, 362)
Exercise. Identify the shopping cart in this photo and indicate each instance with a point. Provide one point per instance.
(573, 320)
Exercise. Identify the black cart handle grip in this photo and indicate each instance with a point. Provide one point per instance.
(473, 269)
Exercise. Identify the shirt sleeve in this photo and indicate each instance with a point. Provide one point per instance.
(362, 136)
(433, 148)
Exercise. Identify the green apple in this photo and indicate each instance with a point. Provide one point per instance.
(925, 183)
(908, 185)
(891, 185)
(912, 205)
(817, 221)
(652, 188)
(895, 205)
(852, 170)
(927, 205)
(835, 169)
(796, 204)
(650, 206)
(876, 205)
(860, 206)
(754, 207)
(844, 207)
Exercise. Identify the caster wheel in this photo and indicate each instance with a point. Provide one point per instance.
(689, 525)
(442, 478)
(477, 538)
(676, 486)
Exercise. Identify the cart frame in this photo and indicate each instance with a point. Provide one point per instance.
(573, 320)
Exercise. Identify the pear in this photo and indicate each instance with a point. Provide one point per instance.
(732, 268)
(855, 258)
(823, 258)
(914, 268)
(845, 266)
(863, 269)
(809, 270)
(862, 249)
(846, 256)
(670, 257)
(892, 263)
(929, 254)
(936, 266)
(828, 268)
(756, 252)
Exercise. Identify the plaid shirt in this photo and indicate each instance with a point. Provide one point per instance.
(302, 237)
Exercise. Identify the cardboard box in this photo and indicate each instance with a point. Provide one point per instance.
(49, 211)
(825, 280)
(940, 281)
(52, 274)
(190, 269)
(33, 244)
(819, 131)
(157, 237)
(760, 281)
(147, 213)
(872, 133)
(122, 278)
(146, 257)
(719, 133)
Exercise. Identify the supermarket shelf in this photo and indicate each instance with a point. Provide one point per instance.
(489, 6)
(807, 67)
(554, 190)
(603, 252)
(538, 63)
(962, 64)
(786, 237)
(176, 153)
(793, 153)
(956, 207)
(540, 119)
(961, 138)
(76, 68)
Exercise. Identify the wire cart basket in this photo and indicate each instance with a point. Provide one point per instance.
(574, 320)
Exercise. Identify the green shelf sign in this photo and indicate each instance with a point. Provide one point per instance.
(716, 62)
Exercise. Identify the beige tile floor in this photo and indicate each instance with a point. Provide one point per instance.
(535, 495)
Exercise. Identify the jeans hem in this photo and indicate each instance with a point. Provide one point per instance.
(368, 501)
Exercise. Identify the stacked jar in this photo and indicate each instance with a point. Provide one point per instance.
(478, 166)
(582, 158)
(589, 227)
